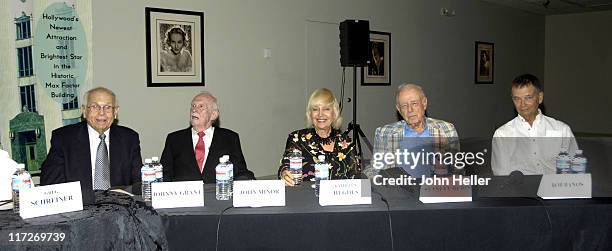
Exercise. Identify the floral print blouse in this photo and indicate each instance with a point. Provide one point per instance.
(344, 162)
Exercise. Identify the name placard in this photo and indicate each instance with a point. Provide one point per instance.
(50, 199)
(177, 194)
(445, 193)
(259, 193)
(345, 192)
(565, 186)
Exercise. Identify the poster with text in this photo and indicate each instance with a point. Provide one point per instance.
(45, 68)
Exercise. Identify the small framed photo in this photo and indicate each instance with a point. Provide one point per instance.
(378, 69)
(175, 47)
(483, 72)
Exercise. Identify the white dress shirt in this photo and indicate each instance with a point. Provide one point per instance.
(531, 149)
(94, 141)
(207, 140)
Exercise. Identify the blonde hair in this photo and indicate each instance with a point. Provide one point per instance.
(325, 96)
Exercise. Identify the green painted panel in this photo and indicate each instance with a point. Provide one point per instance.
(28, 143)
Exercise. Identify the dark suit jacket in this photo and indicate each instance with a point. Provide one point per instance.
(179, 160)
(69, 158)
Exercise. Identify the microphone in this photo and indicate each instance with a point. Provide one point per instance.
(514, 179)
(516, 174)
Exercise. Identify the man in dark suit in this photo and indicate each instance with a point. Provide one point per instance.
(194, 152)
(97, 152)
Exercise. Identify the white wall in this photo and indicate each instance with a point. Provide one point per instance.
(264, 99)
(579, 70)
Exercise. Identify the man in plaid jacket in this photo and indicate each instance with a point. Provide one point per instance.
(411, 103)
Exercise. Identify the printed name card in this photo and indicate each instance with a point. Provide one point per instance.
(259, 193)
(565, 186)
(177, 194)
(345, 192)
(50, 199)
(445, 193)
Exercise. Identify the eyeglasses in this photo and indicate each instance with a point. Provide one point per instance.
(527, 99)
(97, 108)
(413, 105)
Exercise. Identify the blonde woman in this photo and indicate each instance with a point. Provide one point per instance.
(322, 136)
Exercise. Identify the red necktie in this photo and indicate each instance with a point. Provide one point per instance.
(200, 150)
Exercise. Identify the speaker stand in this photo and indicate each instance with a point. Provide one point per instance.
(353, 125)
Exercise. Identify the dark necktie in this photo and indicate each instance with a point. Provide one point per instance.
(102, 172)
(200, 150)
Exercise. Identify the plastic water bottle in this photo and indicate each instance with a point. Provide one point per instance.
(321, 173)
(563, 162)
(147, 173)
(579, 162)
(230, 168)
(222, 174)
(295, 166)
(159, 169)
(21, 180)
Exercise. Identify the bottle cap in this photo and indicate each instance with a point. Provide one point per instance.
(20, 166)
(155, 158)
(321, 158)
(148, 161)
(578, 151)
(226, 157)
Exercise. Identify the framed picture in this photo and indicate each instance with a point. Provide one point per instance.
(175, 47)
(378, 69)
(483, 71)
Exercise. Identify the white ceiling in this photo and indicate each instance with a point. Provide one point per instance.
(555, 7)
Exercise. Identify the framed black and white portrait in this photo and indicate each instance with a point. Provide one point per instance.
(175, 47)
(378, 69)
(483, 72)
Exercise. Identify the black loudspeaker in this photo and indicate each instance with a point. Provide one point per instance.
(354, 42)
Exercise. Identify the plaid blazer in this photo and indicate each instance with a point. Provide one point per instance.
(388, 138)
